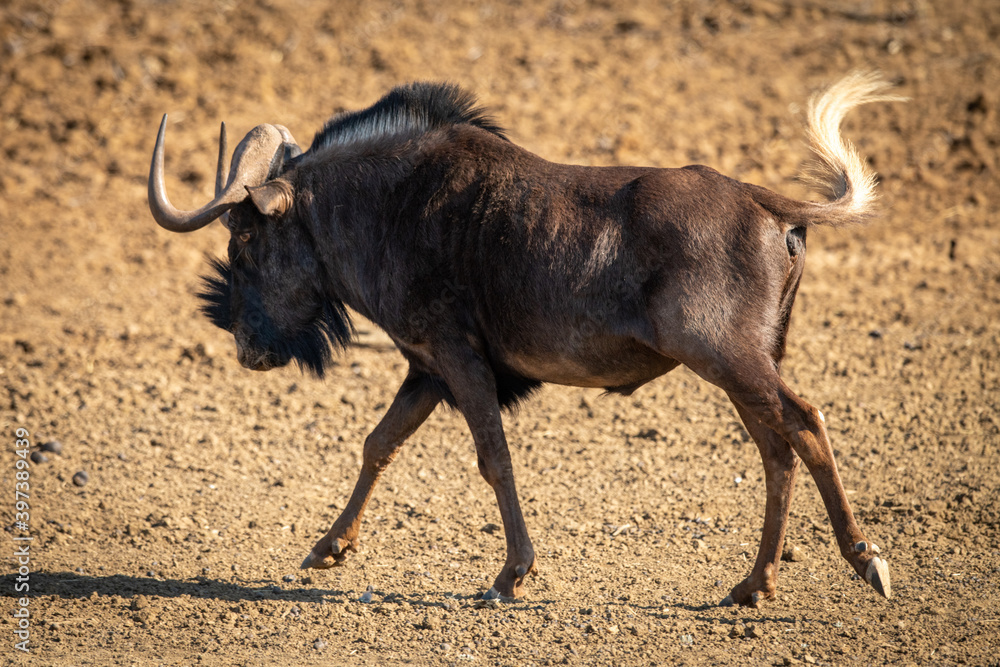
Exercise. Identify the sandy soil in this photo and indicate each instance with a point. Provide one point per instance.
(208, 483)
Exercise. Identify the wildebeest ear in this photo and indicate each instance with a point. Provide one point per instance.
(274, 198)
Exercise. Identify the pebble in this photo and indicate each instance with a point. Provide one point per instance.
(366, 597)
(319, 644)
(751, 632)
(81, 478)
(52, 446)
(288, 578)
(794, 554)
(38, 457)
(491, 529)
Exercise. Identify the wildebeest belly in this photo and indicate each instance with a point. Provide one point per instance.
(616, 364)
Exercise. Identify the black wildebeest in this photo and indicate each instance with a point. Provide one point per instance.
(494, 271)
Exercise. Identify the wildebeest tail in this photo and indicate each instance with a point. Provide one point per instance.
(839, 172)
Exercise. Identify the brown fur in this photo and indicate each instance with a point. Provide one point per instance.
(494, 270)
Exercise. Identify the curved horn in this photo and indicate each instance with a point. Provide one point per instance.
(222, 170)
(291, 148)
(251, 163)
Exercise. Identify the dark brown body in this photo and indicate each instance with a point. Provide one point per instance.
(494, 271)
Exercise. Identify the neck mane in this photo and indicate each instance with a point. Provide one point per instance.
(410, 108)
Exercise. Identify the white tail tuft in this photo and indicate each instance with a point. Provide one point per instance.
(839, 172)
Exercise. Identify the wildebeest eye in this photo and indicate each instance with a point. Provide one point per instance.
(245, 237)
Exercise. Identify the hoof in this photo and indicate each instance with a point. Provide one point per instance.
(326, 555)
(315, 561)
(509, 584)
(877, 575)
(753, 600)
(492, 594)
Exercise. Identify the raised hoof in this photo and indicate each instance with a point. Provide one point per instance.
(324, 556)
(877, 575)
(317, 562)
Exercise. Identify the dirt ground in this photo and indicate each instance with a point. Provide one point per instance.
(208, 484)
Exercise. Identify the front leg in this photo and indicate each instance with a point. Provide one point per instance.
(473, 385)
(414, 402)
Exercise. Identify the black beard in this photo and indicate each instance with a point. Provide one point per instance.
(310, 347)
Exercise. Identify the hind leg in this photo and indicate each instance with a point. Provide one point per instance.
(780, 467)
(765, 397)
(765, 402)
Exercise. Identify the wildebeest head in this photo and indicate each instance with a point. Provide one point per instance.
(269, 292)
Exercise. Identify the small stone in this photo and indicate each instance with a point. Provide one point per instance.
(366, 597)
(550, 617)
(487, 603)
(794, 554)
(81, 478)
(38, 457)
(737, 631)
(139, 602)
(319, 644)
(288, 578)
(53, 447)
(809, 659)
(751, 632)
